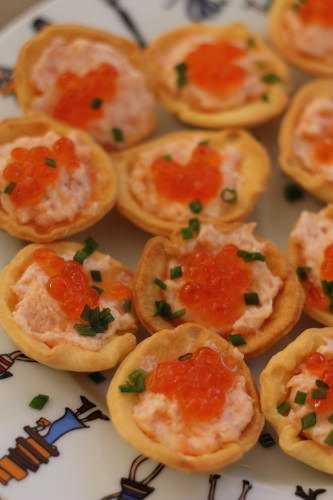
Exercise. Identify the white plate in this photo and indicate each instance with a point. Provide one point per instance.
(91, 461)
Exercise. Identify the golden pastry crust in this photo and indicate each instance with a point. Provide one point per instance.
(251, 114)
(295, 257)
(293, 166)
(169, 345)
(104, 181)
(33, 48)
(287, 308)
(255, 167)
(63, 356)
(309, 64)
(273, 382)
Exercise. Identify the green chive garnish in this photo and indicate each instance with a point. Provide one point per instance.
(186, 233)
(251, 256)
(283, 408)
(90, 246)
(97, 321)
(38, 402)
(328, 290)
(178, 314)
(329, 439)
(98, 289)
(192, 228)
(237, 340)
(309, 420)
(181, 71)
(300, 397)
(319, 394)
(185, 357)
(167, 157)
(271, 78)
(135, 382)
(176, 272)
(85, 330)
(251, 299)
(96, 276)
(302, 272)
(96, 103)
(160, 283)
(229, 195)
(127, 305)
(10, 188)
(320, 383)
(264, 97)
(97, 377)
(292, 192)
(50, 162)
(204, 142)
(163, 309)
(118, 135)
(195, 206)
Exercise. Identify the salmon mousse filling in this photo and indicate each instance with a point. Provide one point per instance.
(89, 82)
(186, 399)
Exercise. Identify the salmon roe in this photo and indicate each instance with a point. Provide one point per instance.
(118, 291)
(81, 98)
(317, 12)
(315, 296)
(322, 367)
(199, 179)
(213, 67)
(199, 384)
(68, 283)
(33, 170)
(215, 285)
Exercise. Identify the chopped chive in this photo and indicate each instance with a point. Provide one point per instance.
(266, 440)
(237, 340)
(176, 272)
(163, 309)
(127, 305)
(319, 393)
(251, 299)
(264, 97)
(98, 289)
(178, 314)
(320, 383)
(10, 188)
(167, 157)
(204, 142)
(85, 330)
(50, 162)
(283, 408)
(229, 195)
(38, 402)
(251, 42)
(185, 357)
(181, 71)
(118, 135)
(302, 272)
(90, 246)
(97, 377)
(251, 256)
(329, 439)
(186, 233)
(135, 382)
(292, 192)
(160, 283)
(96, 103)
(97, 321)
(300, 397)
(328, 290)
(271, 78)
(309, 420)
(195, 206)
(96, 276)
(330, 418)
(194, 224)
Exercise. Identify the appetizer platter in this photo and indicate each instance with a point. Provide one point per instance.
(166, 282)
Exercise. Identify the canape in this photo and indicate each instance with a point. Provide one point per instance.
(220, 276)
(68, 306)
(311, 252)
(55, 180)
(297, 398)
(185, 397)
(306, 139)
(302, 30)
(217, 175)
(90, 79)
(217, 76)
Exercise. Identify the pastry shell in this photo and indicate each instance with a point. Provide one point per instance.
(273, 382)
(295, 256)
(103, 180)
(315, 66)
(63, 356)
(313, 182)
(251, 114)
(287, 305)
(255, 168)
(168, 345)
(32, 49)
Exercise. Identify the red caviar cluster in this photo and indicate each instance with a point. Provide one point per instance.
(317, 12)
(322, 367)
(316, 298)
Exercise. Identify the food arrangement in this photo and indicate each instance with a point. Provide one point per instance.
(209, 292)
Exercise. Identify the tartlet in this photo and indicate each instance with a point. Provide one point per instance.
(302, 31)
(305, 141)
(187, 348)
(217, 76)
(55, 180)
(220, 276)
(297, 397)
(90, 79)
(217, 175)
(311, 253)
(68, 306)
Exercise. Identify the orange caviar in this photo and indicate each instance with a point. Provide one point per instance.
(199, 384)
(323, 150)
(317, 12)
(215, 285)
(315, 296)
(322, 367)
(68, 283)
(199, 179)
(33, 170)
(118, 291)
(213, 67)
(81, 98)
